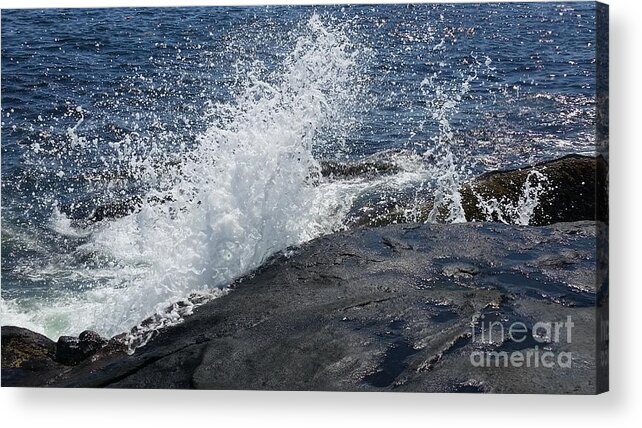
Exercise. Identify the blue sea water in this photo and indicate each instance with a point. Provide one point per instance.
(212, 122)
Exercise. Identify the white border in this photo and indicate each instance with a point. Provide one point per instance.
(109, 408)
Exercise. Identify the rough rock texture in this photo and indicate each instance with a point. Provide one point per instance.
(397, 308)
(29, 357)
(25, 352)
(575, 189)
(68, 350)
(72, 350)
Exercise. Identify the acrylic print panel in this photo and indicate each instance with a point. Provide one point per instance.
(351, 198)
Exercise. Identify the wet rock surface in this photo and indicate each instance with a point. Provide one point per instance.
(28, 357)
(68, 350)
(71, 350)
(364, 169)
(396, 308)
(25, 352)
(573, 188)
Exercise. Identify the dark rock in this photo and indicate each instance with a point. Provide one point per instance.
(114, 346)
(459, 270)
(89, 211)
(90, 342)
(395, 244)
(115, 209)
(68, 350)
(364, 169)
(575, 189)
(378, 164)
(25, 353)
(72, 350)
(386, 318)
(20, 346)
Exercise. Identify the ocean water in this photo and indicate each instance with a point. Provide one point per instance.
(150, 157)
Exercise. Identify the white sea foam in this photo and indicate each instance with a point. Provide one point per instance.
(63, 225)
(521, 211)
(448, 167)
(249, 188)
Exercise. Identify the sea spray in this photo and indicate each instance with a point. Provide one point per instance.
(520, 211)
(208, 203)
(534, 188)
(249, 187)
(447, 160)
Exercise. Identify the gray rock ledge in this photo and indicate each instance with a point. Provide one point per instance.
(393, 308)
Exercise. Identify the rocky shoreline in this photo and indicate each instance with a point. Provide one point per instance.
(573, 187)
(392, 308)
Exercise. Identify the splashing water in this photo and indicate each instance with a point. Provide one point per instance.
(530, 197)
(249, 188)
(447, 170)
(521, 211)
